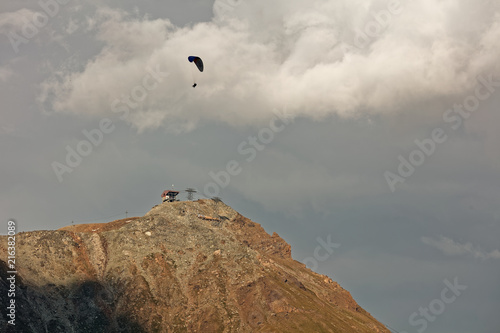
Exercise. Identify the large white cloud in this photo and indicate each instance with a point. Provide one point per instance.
(315, 58)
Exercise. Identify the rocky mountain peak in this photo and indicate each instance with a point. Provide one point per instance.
(183, 267)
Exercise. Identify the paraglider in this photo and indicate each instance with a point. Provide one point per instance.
(198, 62)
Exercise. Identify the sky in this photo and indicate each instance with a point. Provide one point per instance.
(364, 132)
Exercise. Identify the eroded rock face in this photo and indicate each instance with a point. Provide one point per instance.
(172, 271)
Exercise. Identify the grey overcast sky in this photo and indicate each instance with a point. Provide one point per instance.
(364, 132)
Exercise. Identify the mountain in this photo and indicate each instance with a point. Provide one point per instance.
(183, 267)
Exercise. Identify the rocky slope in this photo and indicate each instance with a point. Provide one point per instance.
(172, 271)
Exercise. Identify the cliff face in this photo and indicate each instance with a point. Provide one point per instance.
(172, 271)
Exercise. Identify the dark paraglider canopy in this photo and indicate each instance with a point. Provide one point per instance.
(198, 62)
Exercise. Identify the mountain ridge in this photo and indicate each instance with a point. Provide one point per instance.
(190, 266)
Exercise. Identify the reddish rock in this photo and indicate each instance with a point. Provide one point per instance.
(170, 271)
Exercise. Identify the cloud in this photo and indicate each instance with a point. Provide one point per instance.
(316, 58)
(6, 73)
(13, 21)
(451, 248)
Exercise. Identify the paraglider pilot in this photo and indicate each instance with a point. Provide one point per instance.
(199, 64)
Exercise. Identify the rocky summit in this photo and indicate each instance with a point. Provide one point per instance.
(183, 267)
